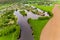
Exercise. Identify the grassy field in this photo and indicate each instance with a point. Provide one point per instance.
(44, 8)
(38, 25)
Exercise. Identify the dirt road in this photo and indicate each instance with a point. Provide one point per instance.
(52, 29)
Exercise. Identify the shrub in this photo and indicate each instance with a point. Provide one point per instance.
(9, 12)
(0, 34)
(11, 29)
(23, 13)
(29, 19)
(8, 29)
(35, 11)
(44, 18)
(50, 14)
(17, 32)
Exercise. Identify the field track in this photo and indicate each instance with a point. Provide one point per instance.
(52, 29)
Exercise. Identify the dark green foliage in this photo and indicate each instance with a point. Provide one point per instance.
(23, 13)
(35, 11)
(51, 14)
(29, 19)
(43, 18)
(45, 8)
(9, 26)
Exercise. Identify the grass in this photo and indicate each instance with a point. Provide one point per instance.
(37, 26)
(44, 8)
(58, 2)
(11, 31)
(10, 36)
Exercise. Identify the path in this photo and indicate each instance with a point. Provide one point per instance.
(52, 29)
(26, 32)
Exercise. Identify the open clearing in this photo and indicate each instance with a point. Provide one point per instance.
(52, 29)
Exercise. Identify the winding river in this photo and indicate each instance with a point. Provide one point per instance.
(26, 32)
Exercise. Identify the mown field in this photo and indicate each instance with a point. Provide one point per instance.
(44, 8)
(38, 25)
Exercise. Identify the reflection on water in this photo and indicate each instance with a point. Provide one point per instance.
(26, 32)
(31, 15)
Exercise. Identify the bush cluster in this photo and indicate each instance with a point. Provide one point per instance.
(50, 13)
(12, 28)
(35, 11)
(43, 18)
(23, 13)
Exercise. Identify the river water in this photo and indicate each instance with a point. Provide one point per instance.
(26, 32)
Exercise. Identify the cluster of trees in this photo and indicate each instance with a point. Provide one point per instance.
(8, 24)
